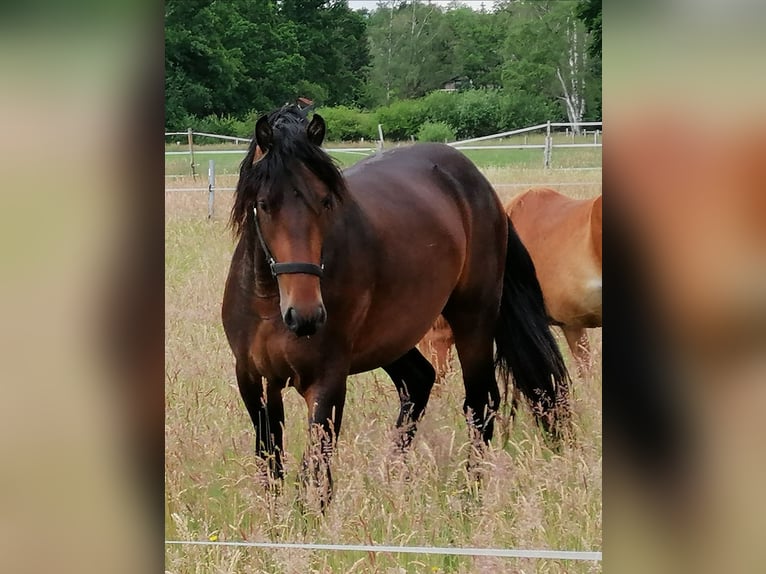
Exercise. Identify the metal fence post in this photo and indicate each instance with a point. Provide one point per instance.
(210, 189)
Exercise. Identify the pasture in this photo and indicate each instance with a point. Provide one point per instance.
(532, 498)
(228, 163)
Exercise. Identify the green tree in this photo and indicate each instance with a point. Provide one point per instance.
(332, 40)
(227, 58)
(545, 61)
(475, 37)
(411, 50)
(589, 11)
(197, 63)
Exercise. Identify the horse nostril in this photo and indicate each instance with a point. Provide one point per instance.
(291, 319)
(321, 315)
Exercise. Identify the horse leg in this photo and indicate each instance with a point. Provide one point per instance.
(414, 377)
(577, 339)
(276, 421)
(441, 354)
(267, 421)
(473, 341)
(325, 413)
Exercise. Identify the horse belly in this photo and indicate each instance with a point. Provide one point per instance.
(399, 314)
(385, 338)
(571, 282)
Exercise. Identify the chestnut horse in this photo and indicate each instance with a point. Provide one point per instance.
(336, 273)
(563, 236)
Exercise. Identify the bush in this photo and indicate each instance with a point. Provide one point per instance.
(220, 125)
(436, 132)
(435, 117)
(348, 124)
(479, 113)
(246, 127)
(402, 119)
(442, 107)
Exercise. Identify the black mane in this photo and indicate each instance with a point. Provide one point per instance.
(290, 149)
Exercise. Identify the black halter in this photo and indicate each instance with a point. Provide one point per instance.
(285, 268)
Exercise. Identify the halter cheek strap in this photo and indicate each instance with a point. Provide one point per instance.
(285, 268)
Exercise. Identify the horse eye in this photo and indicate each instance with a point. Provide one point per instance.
(263, 206)
(327, 202)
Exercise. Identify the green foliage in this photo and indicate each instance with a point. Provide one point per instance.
(225, 59)
(347, 124)
(589, 11)
(475, 113)
(479, 113)
(443, 107)
(315, 92)
(411, 50)
(475, 37)
(402, 119)
(436, 132)
(332, 41)
(222, 125)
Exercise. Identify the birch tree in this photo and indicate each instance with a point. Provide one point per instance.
(572, 79)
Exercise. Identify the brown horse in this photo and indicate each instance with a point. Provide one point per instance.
(563, 236)
(339, 273)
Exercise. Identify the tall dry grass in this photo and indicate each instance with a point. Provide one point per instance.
(532, 497)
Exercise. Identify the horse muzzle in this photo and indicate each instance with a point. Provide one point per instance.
(305, 324)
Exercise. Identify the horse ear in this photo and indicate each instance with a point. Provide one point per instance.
(316, 130)
(264, 137)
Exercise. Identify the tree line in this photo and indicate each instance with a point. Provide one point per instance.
(525, 62)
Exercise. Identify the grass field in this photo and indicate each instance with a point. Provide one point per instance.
(533, 498)
(228, 163)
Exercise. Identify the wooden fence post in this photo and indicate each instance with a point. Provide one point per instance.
(380, 142)
(190, 135)
(548, 147)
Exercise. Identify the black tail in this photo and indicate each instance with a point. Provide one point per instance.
(525, 345)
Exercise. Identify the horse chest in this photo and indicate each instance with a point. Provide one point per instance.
(592, 298)
(268, 350)
(279, 355)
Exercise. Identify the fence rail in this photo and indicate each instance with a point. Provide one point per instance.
(458, 551)
(547, 147)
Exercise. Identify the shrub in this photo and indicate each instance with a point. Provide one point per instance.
(348, 124)
(442, 107)
(220, 125)
(436, 132)
(479, 113)
(401, 120)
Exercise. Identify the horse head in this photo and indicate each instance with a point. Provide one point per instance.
(289, 189)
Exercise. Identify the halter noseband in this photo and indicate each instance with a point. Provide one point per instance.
(285, 268)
